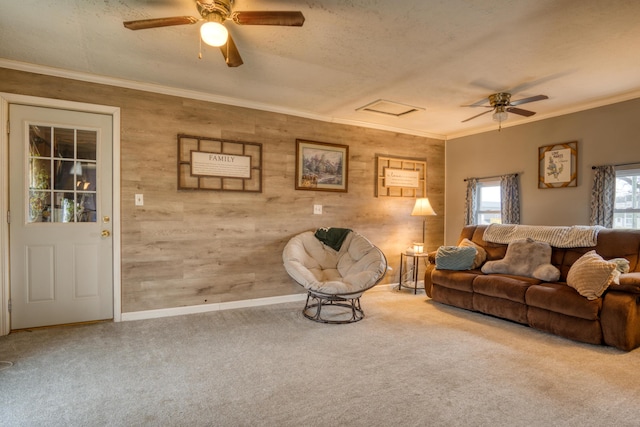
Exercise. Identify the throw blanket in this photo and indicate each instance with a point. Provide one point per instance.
(576, 236)
(332, 237)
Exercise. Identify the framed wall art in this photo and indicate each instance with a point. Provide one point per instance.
(321, 166)
(400, 177)
(219, 165)
(558, 165)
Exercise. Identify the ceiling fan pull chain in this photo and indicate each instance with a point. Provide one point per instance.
(200, 48)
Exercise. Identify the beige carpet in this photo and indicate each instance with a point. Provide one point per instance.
(410, 362)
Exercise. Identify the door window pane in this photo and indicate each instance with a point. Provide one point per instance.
(86, 207)
(63, 178)
(39, 206)
(64, 143)
(85, 176)
(39, 174)
(39, 141)
(86, 145)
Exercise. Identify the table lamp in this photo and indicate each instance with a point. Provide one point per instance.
(422, 208)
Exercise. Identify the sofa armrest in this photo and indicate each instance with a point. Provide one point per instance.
(620, 320)
(629, 282)
(427, 276)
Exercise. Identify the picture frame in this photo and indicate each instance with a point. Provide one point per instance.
(213, 164)
(321, 166)
(400, 176)
(558, 165)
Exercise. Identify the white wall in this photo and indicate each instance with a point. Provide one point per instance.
(605, 135)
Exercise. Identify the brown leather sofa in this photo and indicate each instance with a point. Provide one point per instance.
(613, 319)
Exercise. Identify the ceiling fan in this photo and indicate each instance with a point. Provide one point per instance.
(501, 104)
(213, 32)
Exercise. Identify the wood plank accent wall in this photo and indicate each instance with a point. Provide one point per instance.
(186, 248)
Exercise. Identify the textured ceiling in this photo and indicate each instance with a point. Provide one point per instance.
(432, 54)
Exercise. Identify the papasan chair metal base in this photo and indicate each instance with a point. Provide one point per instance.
(335, 312)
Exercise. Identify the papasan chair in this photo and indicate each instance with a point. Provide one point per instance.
(335, 266)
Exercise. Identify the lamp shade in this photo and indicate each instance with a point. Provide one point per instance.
(422, 208)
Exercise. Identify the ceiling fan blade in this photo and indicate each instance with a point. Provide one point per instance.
(230, 53)
(144, 24)
(289, 19)
(530, 99)
(478, 104)
(477, 115)
(520, 111)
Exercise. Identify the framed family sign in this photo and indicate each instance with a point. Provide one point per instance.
(219, 165)
(558, 165)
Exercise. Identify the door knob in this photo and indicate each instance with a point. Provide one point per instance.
(106, 233)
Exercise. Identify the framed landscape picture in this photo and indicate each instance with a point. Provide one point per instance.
(321, 166)
(557, 165)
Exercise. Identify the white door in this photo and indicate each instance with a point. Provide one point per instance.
(60, 205)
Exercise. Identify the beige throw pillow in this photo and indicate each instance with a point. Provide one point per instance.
(591, 275)
(481, 254)
(525, 257)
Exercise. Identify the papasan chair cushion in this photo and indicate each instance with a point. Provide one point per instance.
(334, 276)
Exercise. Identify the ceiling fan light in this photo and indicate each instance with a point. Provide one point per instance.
(500, 116)
(214, 34)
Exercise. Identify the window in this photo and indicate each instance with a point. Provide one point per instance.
(626, 212)
(488, 211)
(62, 174)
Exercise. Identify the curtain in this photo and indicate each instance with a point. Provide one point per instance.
(603, 196)
(510, 199)
(471, 202)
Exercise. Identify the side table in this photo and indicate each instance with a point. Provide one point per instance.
(415, 259)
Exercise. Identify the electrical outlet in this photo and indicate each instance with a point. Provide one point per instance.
(139, 200)
(317, 209)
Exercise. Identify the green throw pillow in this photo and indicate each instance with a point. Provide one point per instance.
(455, 257)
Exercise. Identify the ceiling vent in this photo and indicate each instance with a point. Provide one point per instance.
(389, 108)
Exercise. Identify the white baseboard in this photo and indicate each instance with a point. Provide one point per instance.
(205, 308)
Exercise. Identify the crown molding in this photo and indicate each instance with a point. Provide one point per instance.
(200, 96)
(218, 99)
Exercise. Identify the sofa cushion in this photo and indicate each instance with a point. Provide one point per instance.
(459, 280)
(500, 307)
(452, 297)
(455, 257)
(512, 288)
(574, 328)
(591, 275)
(525, 257)
(481, 254)
(560, 298)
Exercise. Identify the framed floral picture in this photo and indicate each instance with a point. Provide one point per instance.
(321, 166)
(558, 165)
